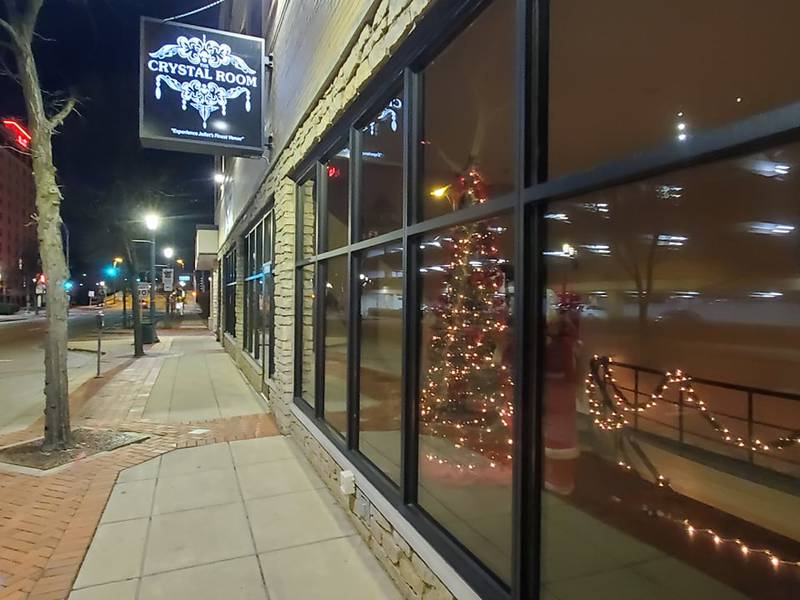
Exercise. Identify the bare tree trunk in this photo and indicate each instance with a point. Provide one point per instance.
(136, 305)
(20, 27)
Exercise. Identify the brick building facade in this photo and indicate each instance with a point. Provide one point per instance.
(17, 207)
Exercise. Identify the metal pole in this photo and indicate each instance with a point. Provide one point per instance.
(153, 281)
(99, 340)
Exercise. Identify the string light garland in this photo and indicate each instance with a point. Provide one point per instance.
(468, 390)
(609, 414)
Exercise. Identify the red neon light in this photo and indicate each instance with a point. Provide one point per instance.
(333, 172)
(23, 137)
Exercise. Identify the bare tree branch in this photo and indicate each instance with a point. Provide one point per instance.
(12, 33)
(57, 119)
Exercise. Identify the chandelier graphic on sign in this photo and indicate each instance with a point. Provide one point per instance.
(204, 92)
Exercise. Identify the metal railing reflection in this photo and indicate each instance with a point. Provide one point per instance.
(756, 425)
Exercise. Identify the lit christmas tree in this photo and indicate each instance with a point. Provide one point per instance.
(467, 395)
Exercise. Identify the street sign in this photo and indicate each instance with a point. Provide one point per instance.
(168, 277)
(91, 293)
(144, 289)
(200, 89)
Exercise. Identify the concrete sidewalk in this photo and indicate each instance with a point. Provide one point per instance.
(241, 520)
(48, 519)
(197, 382)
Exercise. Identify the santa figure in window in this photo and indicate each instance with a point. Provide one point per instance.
(561, 387)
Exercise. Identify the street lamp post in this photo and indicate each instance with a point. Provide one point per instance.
(151, 221)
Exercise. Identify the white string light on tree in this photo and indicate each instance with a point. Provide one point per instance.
(467, 394)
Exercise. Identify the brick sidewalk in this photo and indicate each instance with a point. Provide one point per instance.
(47, 521)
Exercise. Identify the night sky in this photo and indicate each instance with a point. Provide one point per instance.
(91, 51)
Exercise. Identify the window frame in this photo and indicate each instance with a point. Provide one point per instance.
(229, 293)
(528, 205)
(259, 271)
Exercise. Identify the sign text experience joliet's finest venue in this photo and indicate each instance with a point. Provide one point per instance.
(200, 89)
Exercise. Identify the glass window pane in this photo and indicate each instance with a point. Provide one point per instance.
(308, 201)
(259, 248)
(382, 169)
(308, 334)
(469, 120)
(673, 315)
(466, 391)
(258, 316)
(627, 75)
(337, 171)
(381, 357)
(336, 343)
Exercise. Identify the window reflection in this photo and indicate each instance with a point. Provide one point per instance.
(627, 75)
(465, 385)
(337, 172)
(308, 334)
(382, 169)
(381, 357)
(336, 343)
(671, 413)
(468, 117)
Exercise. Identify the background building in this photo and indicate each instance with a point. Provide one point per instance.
(529, 270)
(18, 246)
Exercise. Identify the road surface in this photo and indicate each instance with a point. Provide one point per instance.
(22, 364)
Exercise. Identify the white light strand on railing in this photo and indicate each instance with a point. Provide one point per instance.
(718, 540)
(612, 419)
(609, 417)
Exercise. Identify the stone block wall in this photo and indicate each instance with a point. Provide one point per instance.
(414, 579)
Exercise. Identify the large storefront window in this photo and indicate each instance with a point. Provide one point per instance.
(381, 142)
(468, 119)
(663, 72)
(257, 292)
(335, 348)
(466, 409)
(337, 189)
(229, 309)
(380, 369)
(570, 366)
(671, 399)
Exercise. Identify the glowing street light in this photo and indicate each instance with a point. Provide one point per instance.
(168, 252)
(440, 192)
(151, 221)
(219, 178)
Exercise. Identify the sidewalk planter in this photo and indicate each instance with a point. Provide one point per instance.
(149, 335)
(533, 291)
(7, 308)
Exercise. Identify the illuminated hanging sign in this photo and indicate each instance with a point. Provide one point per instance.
(20, 135)
(200, 89)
